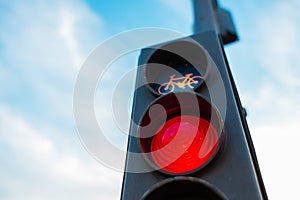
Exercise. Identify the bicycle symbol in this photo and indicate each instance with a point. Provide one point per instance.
(180, 82)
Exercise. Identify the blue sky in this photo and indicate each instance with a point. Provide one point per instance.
(44, 43)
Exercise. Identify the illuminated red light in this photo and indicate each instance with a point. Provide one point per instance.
(180, 133)
(183, 144)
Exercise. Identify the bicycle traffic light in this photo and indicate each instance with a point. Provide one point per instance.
(188, 137)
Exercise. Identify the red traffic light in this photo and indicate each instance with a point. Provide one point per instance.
(192, 137)
(189, 137)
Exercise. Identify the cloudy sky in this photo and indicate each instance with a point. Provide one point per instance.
(43, 45)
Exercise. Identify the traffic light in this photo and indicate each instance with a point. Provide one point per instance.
(189, 137)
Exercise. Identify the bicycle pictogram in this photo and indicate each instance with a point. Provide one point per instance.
(181, 82)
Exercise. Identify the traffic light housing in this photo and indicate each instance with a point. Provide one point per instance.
(188, 136)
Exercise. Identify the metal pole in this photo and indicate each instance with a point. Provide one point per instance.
(208, 16)
(205, 16)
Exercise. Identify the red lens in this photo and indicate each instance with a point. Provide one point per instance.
(184, 143)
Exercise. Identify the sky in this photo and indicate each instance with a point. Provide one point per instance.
(43, 45)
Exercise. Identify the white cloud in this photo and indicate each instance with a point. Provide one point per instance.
(39, 167)
(278, 45)
(277, 148)
(274, 109)
(42, 46)
(274, 124)
(66, 31)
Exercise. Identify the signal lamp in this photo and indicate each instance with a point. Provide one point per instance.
(177, 66)
(180, 133)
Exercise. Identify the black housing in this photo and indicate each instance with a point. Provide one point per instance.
(234, 172)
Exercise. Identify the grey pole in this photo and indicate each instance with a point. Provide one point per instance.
(208, 16)
(205, 16)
